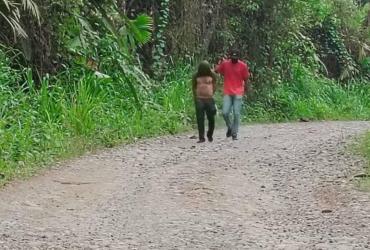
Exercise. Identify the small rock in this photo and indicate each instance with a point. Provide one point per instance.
(362, 176)
(326, 211)
(303, 119)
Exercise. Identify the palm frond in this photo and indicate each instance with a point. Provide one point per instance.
(7, 4)
(12, 14)
(13, 21)
(31, 7)
(141, 28)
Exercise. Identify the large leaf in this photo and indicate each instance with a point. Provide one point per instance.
(141, 28)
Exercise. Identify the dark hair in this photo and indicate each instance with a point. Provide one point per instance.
(204, 69)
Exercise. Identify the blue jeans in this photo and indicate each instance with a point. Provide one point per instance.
(234, 103)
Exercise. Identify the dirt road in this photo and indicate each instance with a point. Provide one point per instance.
(285, 186)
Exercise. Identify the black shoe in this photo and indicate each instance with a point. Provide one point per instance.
(201, 140)
(210, 136)
(228, 133)
(235, 137)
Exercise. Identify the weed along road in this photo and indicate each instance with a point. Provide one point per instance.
(281, 186)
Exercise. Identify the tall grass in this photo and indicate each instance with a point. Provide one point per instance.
(310, 97)
(64, 118)
(76, 111)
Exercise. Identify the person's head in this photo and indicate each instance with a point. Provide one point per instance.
(234, 56)
(204, 69)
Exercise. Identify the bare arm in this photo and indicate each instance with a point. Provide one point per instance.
(214, 86)
(194, 86)
(219, 68)
(214, 83)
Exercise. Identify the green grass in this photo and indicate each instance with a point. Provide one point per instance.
(310, 97)
(62, 119)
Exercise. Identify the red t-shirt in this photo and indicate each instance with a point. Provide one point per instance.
(235, 76)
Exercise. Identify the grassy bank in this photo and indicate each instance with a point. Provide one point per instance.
(310, 97)
(68, 115)
(78, 111)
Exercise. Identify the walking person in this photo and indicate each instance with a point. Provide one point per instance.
(204, 87)
(236, 74)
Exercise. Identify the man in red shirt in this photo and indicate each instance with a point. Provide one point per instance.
(236, 74)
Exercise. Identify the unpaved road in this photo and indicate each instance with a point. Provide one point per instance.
(281, 186)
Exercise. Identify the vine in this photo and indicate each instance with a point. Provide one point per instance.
(159, 61)
(332, 44)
